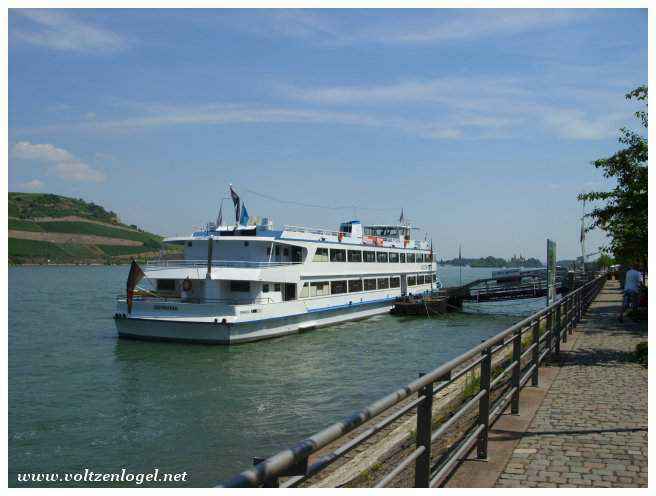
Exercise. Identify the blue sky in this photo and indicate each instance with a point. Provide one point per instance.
(481, 124)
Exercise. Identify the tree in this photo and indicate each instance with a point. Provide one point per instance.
(624, 215)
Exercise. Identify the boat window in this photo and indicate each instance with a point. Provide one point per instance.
(305, 290)
(246, 243)
(268, 251)
(240, 286)
(411, 258)
(319, 289)
(369, 256)
(165, 284)
(369, 284)
(277, 252)
(381, 256)
(321, 255)
(276, 287)
(402, 257)
(337, 255)
(394, 258)
(420, 280)
(354, 256)
(355, 285)
(188, 243)
(337, 287)
(383, 283)
(412, 281)
(285, 252)
(429, 257)
(395, 282)
(265, 288)
(434, 277)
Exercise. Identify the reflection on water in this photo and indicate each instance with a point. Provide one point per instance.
(79, 397)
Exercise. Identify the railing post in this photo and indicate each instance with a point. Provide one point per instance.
(272, 482)
(559, 325)
(424, 426)
(550, 326)
(484, 403)
(536, 352)
(516, 356)
(557, 331)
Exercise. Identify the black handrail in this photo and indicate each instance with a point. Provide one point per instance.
(560, 318)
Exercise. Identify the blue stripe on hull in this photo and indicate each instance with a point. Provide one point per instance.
(201, 332)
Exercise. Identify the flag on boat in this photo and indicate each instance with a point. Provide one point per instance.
(402, 218)
(582, 231)
(135, 275)
(235, 201)
(219, 219)
(244, 215)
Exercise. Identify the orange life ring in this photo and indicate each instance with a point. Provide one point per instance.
(186, 284)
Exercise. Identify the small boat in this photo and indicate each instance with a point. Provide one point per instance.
(431, 304)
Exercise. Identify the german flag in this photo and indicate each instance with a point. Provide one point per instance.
(135, 275)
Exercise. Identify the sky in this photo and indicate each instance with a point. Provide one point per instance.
(480, 124)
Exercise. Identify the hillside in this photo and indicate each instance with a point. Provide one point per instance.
(46, 228)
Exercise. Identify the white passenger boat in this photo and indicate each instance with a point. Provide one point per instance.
(244, 283)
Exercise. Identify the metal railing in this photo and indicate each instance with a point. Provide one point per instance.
(155, 298)
(199, 264)
(530, 341)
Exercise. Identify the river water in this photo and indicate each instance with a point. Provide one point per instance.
(79, 397)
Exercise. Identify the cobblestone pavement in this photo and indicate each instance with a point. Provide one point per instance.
(591, 428)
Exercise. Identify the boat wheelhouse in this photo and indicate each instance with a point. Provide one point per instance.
(244, 283)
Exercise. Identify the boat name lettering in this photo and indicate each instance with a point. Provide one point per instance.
(165, 307)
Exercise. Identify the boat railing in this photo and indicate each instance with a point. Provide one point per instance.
(312, 230)
(155, 298)
(192, 264)
(327, 232)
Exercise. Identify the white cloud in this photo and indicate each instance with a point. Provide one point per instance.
(59, 31)
(33, 185)
(43, 152)
(218, 114)
(64, 164)
(403, 27)
(472, 25)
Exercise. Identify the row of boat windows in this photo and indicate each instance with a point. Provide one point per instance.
(336, 255)
(327, 288)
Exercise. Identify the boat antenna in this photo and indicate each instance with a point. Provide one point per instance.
(460, 261)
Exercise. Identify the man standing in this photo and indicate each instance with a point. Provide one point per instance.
(631, 289)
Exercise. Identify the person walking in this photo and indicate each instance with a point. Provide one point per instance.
(632, 283)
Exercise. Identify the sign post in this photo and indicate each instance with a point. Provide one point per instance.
(551, 272)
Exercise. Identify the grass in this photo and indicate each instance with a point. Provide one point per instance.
(116, 250)
(149, 240)
(23, 249)
(24, 225)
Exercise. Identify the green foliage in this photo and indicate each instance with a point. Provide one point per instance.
(22, 249)
(624, 214)
(495, 262)
(149, 240)
(641, 353)
(24, 225)
(34, 205)
(117, 250)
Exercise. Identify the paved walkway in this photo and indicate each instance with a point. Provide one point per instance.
(591, 428)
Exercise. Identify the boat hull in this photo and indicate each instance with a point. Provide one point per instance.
(218, 333)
